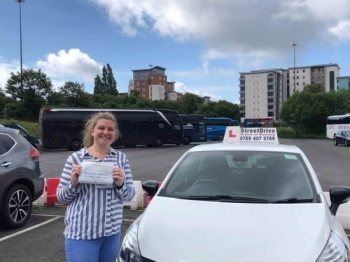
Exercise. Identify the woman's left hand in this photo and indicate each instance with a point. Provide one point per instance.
(118, 176)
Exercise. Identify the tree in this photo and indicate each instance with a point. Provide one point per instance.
(314, 88)
(35, 80)
(74, 94)
(56, 99)
(36, 87)
(189, 103)
(222, 108)
(106, 84)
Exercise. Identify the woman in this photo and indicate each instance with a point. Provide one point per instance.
(94, 214)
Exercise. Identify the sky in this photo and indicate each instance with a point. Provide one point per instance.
(203, 44)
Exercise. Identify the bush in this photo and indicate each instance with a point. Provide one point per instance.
(286, 132)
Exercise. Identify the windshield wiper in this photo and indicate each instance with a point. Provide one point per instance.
(294, 200)
(227, 198)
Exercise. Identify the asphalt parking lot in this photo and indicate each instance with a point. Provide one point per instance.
(42, 238)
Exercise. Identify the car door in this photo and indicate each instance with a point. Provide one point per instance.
(7, 162)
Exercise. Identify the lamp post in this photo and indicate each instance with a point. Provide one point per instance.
(20, 36)
(294, 44)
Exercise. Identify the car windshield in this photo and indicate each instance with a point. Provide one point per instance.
(241, 176)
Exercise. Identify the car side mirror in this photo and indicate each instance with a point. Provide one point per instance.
(338, 195)
(150, 187)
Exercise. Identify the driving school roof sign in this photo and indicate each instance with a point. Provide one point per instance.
(266, 135)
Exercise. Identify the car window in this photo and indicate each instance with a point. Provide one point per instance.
(7, 142)
(266, 175)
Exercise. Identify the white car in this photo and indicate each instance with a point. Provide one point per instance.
(239, 202)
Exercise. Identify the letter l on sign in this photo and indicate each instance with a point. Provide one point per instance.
(231, 134)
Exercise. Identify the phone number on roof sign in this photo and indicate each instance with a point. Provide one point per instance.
(258, 138)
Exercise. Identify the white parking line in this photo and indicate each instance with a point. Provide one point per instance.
(30, 228)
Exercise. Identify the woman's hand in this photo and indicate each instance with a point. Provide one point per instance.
(118, 176)
(75, 173)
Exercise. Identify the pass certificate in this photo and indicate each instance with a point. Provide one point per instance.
(96, 173)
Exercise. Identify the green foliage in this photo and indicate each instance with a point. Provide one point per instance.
(314, 88)
(32, 80)
(189, 103)
(286, 132)
(56, 99)
(106, 84)
(307, 112)
(4, 100)
(222, 108)
(74, 94)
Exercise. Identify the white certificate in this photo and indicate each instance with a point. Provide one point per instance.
(99, 173)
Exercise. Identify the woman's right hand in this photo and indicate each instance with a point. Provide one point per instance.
(75, 173)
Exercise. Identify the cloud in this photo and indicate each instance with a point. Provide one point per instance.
(233, 28)
(341, 30)
(205, 90)
(73, 63)
(6, 68)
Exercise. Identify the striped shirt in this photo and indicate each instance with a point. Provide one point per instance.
(94, 211)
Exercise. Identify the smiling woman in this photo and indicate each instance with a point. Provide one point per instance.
(95, 209)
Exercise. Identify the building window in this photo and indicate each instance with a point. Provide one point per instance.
(303, 70)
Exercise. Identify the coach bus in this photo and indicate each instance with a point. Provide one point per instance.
(62, 127)
(336, 123)
(258, 122)
(216, 127)
(194, 128)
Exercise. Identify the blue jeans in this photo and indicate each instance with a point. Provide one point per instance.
(104, 249)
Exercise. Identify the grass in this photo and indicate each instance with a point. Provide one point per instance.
(31, 127)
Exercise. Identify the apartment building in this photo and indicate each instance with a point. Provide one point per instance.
(343, 83)
(262, 92)
(152, 83)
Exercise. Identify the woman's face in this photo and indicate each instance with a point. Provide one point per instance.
(104, 132)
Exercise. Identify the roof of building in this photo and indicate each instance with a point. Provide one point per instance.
(149, 69)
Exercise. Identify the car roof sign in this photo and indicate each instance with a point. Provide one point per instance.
(265, 135)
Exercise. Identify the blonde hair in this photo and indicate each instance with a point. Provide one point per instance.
(90, 124)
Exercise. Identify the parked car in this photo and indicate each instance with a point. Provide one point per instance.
(21, 180)
(342, 137)
(36, 142)
(238, 201)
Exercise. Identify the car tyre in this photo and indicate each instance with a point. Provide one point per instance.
(335, 142)
(17, 207)
(221, 137)
(187, 140)
(158, 142)
(346, 143)
(75, 145)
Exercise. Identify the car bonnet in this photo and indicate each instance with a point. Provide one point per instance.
(187, 230)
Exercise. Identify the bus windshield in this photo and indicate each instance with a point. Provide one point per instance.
(62, 127)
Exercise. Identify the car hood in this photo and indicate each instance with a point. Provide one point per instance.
(188, 231)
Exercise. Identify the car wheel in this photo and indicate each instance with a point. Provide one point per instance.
(335, 142)
(221, 137)
(346, 143)
(17, 207)
(158, 142)
(75, 145)
(187, 140)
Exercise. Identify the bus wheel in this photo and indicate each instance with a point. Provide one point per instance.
(75, 145)
(221, 137)
(187, 140)
(158, 142)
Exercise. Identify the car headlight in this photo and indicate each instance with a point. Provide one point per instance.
(129, 250)
(335, 250)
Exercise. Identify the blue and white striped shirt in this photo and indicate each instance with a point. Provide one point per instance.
(94, 211)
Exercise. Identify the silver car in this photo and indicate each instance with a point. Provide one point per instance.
(21, 180)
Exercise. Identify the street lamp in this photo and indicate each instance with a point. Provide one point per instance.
(294, 44)
(20, 36)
